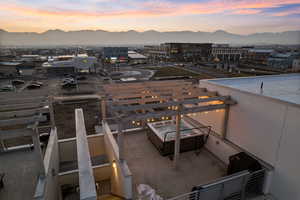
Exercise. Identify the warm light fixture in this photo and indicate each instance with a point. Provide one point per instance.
(114, 165)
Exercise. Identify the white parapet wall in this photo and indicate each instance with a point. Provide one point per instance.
(48, 186)
(86, 176)
(221, 148)
(121, 177)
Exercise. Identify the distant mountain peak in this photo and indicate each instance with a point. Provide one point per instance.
(132, 37)
(220, 31)
(132, 31)
(151, 31)
(54, 31)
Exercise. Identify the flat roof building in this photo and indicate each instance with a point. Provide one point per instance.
(265, 123)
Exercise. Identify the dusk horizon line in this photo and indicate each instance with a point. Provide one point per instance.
(129, 30)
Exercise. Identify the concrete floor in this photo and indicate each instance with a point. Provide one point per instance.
(20, 168)
(149, 167)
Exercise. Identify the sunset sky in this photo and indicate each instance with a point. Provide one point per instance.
(236, 16)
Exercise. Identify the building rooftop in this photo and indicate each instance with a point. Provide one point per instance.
(135, 55)
(285, 87)
(149, 167)
(261, 50)
(10, 63)
(20, 168)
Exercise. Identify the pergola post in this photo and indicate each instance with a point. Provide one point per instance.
(51, 110)
(38, 150)
(103, 108)
(177, 138)
(2, 145)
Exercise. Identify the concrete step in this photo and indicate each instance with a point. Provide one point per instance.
(109, 197)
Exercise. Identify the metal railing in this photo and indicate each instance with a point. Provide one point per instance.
(234, 187)
(200, 128)
(255, 182)
(187, 196)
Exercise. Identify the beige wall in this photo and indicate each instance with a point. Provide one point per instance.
(211, 118)
(121, 182)
(96, 144)
(69, 178)
(286, 179)
(67, 150)
(102, 173)
(220, 148)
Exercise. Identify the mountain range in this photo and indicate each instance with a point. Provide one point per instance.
(101, 37)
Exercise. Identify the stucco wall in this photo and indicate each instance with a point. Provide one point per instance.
(96, 145)
(121, 182)
(67, 150)
(214, 118)
(269, 129)
(220, 148)
(286, 179)
(254, 122)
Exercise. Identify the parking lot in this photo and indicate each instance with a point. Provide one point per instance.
(53, 85)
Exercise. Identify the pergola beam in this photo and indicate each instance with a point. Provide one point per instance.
(152, 91)
(23, 120)
(20, 100)
(15, 133)
(23, 113)
(158, 114)
(167, 104)
(10, 107)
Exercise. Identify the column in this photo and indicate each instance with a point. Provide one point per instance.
(177, 138)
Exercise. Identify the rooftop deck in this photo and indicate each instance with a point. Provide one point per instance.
(149, 167)
(20, 168)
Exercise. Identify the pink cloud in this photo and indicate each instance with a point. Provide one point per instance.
(288, 12)
(246, 12)
(161, 8)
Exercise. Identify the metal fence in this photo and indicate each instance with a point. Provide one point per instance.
(187, 196)
(234, 187)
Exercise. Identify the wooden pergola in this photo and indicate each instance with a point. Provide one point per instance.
(20, 117)
(128, 102)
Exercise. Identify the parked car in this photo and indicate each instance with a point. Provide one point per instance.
(68, 80)
(69, 76)
(6, 88)
(37, 82)
(17, 82)
(33, 86)
(68, 85)
(81, 78)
